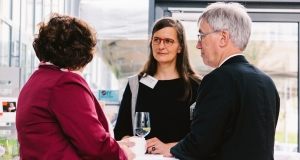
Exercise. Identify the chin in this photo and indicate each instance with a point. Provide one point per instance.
(209, 65)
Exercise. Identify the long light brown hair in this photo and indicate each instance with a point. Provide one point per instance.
(183, 67)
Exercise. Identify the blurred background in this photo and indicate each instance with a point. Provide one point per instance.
(123, 29)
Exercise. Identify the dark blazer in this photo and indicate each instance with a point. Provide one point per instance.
(235, 116)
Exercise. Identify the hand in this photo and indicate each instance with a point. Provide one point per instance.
(129, 153)
(159, 147)
(168, 155)
(126, 142)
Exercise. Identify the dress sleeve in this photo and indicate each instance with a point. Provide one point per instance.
(124, 122)
(206, 131)
(73, 105)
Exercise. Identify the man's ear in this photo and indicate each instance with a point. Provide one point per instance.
(224, 38)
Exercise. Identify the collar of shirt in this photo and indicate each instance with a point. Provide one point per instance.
(239, 54)
(62, 69)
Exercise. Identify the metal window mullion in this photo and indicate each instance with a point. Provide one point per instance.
(42, 9)
(298, 137)
(10, 36)
(34, 16)
(20, 35)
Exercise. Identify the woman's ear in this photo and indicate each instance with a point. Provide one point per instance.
(179, 50)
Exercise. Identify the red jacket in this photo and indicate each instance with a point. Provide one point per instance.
(58, 117)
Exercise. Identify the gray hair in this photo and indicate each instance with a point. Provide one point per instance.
(232, 17)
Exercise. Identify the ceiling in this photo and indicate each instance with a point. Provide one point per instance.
(122, 32)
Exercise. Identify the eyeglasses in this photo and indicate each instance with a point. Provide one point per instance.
(167, 41)
(200, 35)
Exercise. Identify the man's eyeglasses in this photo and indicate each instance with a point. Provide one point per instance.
(167, 41)
(200, 35)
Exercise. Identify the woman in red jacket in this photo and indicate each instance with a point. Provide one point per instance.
(58, 116)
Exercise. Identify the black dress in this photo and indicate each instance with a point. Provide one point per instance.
(169, 116)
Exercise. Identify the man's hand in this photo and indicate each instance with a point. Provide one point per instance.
(168, 155)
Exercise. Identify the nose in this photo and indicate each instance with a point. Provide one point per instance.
(161, 44)
(199, 45)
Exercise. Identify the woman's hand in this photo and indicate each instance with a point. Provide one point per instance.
(155, 146)
(130, 155)
(126, 142)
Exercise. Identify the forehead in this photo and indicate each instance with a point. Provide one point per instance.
(204, 26)
(166, 32)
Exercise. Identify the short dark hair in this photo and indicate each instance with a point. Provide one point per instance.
(65, 41)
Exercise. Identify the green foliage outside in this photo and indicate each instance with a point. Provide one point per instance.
(292, 137)
(11, 148)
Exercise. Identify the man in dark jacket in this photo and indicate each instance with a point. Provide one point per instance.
(237, 107)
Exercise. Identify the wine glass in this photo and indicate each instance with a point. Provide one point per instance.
(142, 124)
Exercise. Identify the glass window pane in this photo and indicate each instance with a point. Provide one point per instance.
(16, 55)
(23, 64)
(67, 7)
(28, 61)
(37, 15)
(29, 17)
(23, 15)
(4, 44)
(61, 6)
(47, 7)
(273, 47)
(16, 13)
(5, 8)
(54, 6)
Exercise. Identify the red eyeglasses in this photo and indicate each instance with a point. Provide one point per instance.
(167, 41)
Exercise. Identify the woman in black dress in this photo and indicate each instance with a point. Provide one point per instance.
(174, 92)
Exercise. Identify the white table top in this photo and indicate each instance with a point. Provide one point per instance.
(278, 155)
(282, 155)
(153, 157)
(288, 147)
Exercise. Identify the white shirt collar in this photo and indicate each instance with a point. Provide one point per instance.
(239, 54)
(62, 69)
(74, 71)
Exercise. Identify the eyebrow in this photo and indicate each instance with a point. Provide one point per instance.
(162, 38)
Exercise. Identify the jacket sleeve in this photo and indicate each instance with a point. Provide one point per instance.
(73, 105)
(206, 131)
(124, 122)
